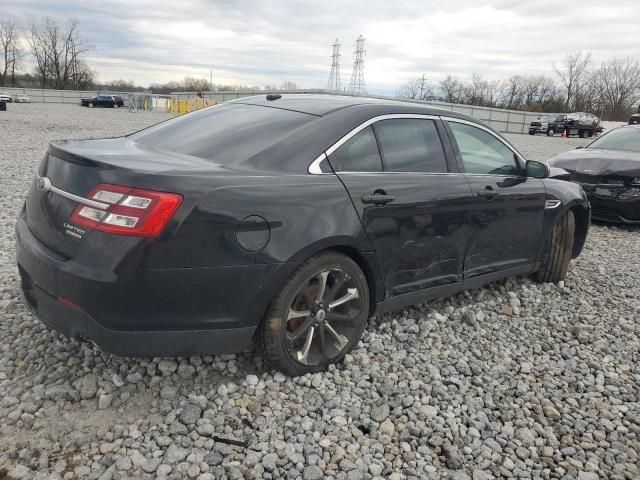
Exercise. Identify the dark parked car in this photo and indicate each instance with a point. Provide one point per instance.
(609, 172)
(286, 219)
(111, 101)
(634, 119)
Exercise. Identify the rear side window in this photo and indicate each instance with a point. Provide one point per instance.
(411, 145)
(358, 154)
(226, 134)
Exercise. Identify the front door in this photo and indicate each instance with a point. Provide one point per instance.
(413, 207)
(509, 210)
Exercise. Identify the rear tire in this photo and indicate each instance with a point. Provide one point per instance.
(115, 105)
(557, 256)
(329, 335)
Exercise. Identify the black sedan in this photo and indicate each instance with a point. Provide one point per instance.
(109, 101)
(609, 172)
(285, 219)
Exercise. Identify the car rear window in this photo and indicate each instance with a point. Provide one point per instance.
(226, 134)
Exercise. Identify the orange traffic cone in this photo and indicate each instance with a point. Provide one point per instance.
(564, 134)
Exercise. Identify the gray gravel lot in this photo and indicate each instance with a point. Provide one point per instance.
(516, 380)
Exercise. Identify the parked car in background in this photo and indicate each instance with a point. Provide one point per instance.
(548, 124)
(609, 172)
(290, 219)
(5, 97)
(111, 101)
(634, 119)
(22, 99)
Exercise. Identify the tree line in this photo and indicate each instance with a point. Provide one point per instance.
(610, 89)
(57, 50)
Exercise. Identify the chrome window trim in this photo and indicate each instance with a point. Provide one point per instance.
(49, 187)
(314, 167)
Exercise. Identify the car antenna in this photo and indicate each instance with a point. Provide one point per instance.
(273, 96)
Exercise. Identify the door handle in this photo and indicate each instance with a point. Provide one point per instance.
(377, 199)
(489, 193)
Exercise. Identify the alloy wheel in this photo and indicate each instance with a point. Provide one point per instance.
(322, 318)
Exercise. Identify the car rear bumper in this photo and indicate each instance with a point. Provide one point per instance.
(165, 312)
(614, 204)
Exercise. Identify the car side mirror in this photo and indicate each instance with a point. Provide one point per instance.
(537, 169)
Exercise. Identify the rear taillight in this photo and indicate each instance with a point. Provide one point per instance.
(130, 211)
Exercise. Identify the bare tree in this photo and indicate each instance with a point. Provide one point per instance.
(513, 92)
(9, 52)
(416, 89)
(452, 89)
(572, 74)
(617, 86)
(58, 51)
(289, 85)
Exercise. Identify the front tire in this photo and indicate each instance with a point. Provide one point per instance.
(90, 105)
(557, 256)
(318, 316)
(551, 132)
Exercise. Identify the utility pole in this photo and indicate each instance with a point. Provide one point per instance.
(334, 77)
(357, 77)
(422, 87)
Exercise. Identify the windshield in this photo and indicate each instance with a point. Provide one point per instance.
(619, 139)
(548, 118)
(226, 134)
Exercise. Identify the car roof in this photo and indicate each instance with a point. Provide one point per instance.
(324, 104)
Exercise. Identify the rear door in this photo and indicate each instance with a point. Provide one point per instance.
(508, 213)
(412, 203)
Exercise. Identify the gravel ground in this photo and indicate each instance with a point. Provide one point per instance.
(513, 380)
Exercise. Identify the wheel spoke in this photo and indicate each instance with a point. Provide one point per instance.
(340, 316)
(323, 344)
(323, 284)
(304, 353)
(351, 294)
(298, 314)
(301, 330)
(341, 340)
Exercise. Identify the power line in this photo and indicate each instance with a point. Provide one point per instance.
(334, 77)
(357, 77)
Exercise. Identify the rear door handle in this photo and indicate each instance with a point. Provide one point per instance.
(489, 193)
(377, 199)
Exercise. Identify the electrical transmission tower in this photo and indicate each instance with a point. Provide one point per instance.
(334, 77)
(357, 77)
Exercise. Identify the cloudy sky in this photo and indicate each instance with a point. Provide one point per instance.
(260, 42)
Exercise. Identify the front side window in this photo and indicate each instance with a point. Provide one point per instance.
(358, 154)
(410, 145)
(482, 152)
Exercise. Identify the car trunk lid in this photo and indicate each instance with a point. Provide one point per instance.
(71, 169)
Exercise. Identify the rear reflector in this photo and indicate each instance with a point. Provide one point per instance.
(68, 303)
(131, 211)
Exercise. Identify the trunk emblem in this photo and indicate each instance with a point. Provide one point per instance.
(588, 170)
(43, 184)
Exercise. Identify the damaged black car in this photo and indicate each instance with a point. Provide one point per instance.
(609, 172)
